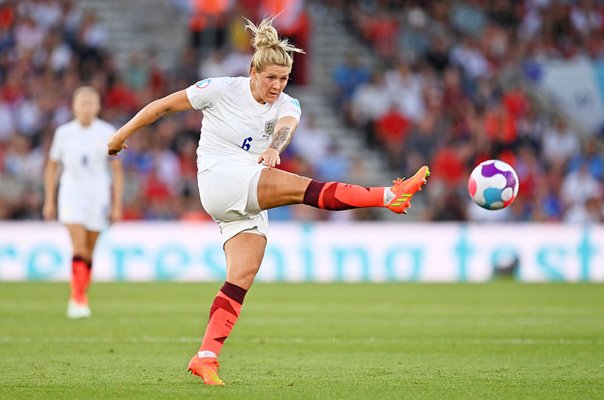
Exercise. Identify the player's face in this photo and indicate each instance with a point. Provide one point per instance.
(86, 107)
(268, 84)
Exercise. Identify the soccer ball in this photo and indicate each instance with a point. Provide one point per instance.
(493, 185)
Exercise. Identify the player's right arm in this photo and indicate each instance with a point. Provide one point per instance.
(153, 111)
(51, 173)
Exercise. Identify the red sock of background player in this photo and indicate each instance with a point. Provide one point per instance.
(79, 279)
(223, 316)
(88, 276)
(343, 196)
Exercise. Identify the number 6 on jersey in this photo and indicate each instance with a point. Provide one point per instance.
(246, 143)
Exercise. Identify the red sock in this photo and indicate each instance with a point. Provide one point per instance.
(342, 196)
(223, 316)
(80, 277)
(88, 276)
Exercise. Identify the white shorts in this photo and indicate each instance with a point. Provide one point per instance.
(86, 209)
(229, 194)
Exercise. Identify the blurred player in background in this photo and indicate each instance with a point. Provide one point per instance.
(87, 200)
(247, 123)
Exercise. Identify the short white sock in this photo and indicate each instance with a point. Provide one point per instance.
(204, 354)
(388, 195)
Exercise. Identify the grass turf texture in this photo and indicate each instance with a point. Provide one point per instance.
(500, 340)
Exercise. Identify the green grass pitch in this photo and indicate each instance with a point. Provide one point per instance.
(500, 340)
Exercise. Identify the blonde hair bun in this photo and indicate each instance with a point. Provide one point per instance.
(268, 48)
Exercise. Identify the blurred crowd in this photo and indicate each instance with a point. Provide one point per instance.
(436, 98)
(439, 96)
(50, 47)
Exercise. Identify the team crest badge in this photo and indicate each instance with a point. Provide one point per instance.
(269, 128)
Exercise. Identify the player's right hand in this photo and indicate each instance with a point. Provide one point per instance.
(115, 145)
(269, 157)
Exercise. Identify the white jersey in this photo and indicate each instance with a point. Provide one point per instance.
(83, 153)
(235, 128)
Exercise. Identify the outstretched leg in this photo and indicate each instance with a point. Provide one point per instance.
(278, 188)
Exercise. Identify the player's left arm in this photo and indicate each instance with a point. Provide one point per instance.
(282, 136)
(117, 189)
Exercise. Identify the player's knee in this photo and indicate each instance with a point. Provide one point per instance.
(248, 275)
(83, 253)
(243, 278)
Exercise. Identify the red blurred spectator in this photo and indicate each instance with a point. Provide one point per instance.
(120, 97)
(391, 130)
(293, 23)
(7, 14)
(209, 22)
(155, 189)
(500, 125)
(448, 165)
(382, 31)
(515, 102)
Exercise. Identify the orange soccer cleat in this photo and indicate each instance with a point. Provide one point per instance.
(206, 368)
(404, 189)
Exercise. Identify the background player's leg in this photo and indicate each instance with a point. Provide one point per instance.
(79, 266)
(91, 239)
(78, 301)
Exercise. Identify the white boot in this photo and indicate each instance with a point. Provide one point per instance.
(75, 310)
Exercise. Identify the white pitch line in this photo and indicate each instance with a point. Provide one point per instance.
(307, 341)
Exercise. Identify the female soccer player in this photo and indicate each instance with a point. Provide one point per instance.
(247, 123)
(87, 200)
